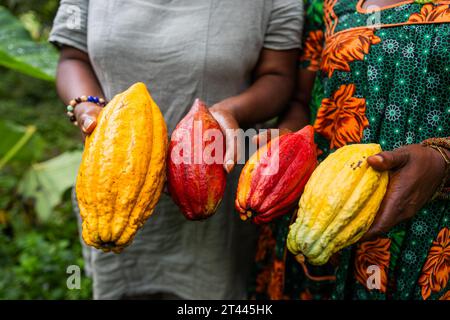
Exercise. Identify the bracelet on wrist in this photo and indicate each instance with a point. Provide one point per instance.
(74, 102)
(439, 144)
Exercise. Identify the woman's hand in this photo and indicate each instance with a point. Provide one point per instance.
(415, 173)
(229, 125)
(86, 114)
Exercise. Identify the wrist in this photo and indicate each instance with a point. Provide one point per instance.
(441, 156)
(84, 103)
(85, 107)
(447, 182)
(292, 124)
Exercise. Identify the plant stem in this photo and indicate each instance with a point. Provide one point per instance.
(29, 132)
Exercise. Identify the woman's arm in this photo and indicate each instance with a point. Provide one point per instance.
(75, 77)
(271, 91)
(296, 115)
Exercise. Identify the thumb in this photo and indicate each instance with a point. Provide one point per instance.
(229, 127)
(389, 160)
(232, 153)
(87, 123)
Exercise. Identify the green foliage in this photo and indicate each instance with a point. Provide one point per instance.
(30, 101)
(36, 246)
(19, 143)
(43, 11)
(34, 260)
(46, 182)
(19, 52)
(314, 12)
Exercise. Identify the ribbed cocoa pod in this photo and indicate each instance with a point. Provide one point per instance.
(274, 177)
(122, 172)
(196, 178)
(340, 202)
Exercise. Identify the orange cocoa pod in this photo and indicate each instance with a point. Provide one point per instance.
(195, 174)
(273, 179)
(122, 172)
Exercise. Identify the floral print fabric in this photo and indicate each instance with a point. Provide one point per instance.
(342, 117)
(386, 83)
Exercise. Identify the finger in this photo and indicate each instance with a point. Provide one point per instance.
(87, 123)
(233, 143)
(391, 211)
(389, 160)
(232, 153)
(383, 225)
(86, 115)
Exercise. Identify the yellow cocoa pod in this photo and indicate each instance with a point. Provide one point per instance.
(339, 203)
(122, 172)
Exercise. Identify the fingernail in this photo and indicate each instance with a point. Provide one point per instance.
(229, 164)
(87, 123)
(379, 158)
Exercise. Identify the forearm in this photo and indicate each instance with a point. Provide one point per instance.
(75, 76)
(265, 99)
(297, 115)
(270, 92)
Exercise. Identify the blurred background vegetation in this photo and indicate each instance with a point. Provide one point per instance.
(39, 155)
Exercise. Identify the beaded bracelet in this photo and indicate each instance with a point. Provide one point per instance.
(438, 144)
(74, 102)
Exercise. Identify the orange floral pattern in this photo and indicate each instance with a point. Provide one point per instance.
(271, 280)
(266, 243)
(436, 271)
(276, 284)
(313, 50)
(262, 280)
(345, 47)
(330, 18)
(341, 118)
(446, 296)
(375, 252)
(306, 295)
(431, 13)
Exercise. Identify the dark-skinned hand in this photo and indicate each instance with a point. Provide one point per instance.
(415, 173)
(86, 114)
(229, 125)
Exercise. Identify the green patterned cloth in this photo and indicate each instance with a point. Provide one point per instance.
(382, 77)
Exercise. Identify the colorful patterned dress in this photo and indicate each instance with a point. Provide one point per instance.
(382, 77)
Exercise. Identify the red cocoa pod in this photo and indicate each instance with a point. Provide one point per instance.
(195, 175)
(273, 179)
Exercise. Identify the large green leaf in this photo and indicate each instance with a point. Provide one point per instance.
(19, 52)
(19, 143)
(47, 181)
